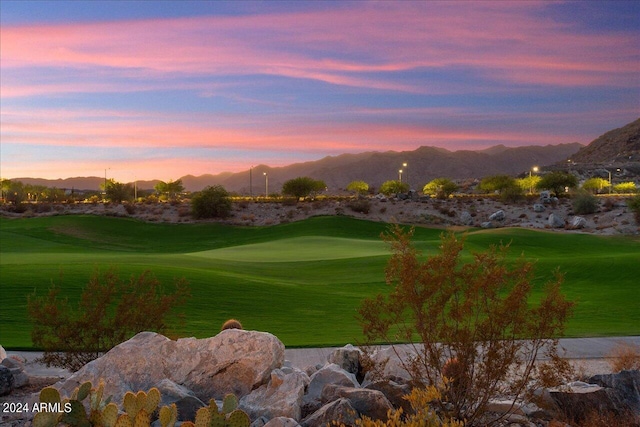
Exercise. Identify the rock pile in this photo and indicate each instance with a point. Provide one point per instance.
(12, 373)
(190, 372)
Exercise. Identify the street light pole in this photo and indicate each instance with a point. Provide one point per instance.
(405, 167)
(535, 169)
(400, 175)
(266, 184)
(251, 181)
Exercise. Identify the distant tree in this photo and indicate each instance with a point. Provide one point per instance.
(212, 202)
(14, 192)
(110, 311)
(393, 187)
(557, 181)
(170, 188)
(302, 187)
(528, 183)
(358, 187)
(595, 185)
(117, 192)
(496, 183)
(442, 188)
(5, 185)
(625, 187)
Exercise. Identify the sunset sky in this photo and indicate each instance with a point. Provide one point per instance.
(164, 89)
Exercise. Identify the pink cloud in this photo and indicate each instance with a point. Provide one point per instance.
(501, 40)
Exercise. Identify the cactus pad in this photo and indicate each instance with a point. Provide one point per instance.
(238, 418)
(229, 404)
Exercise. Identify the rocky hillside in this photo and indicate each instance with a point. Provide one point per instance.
(618, 146)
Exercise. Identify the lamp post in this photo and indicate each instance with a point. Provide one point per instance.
(534, 169)
(405, 167)
(610, 184)
(251, 181)
(266, 184)
(400, 175)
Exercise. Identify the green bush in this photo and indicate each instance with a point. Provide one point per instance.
(584, 203)
(212, 202)
(360, 205)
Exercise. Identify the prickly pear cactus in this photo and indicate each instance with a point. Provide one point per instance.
(238, 418)
(168, 415)
(229, 404)
(109, 415)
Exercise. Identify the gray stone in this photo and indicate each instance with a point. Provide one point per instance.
(282, 397)
(487, 224)
(388, 366)
(578, 400)
(538, 207)
(186, 402)
(3, 353)
(347, 358)
(234, 361)
(466, 218)
(623, 388)
(6, 381)
(578, 222)
(371, 403)
(497, 216)
(555, 221)
(329, 374)
(340, 411)
(394, 392)
(282, 422)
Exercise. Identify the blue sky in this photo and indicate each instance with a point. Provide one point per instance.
(163, 89)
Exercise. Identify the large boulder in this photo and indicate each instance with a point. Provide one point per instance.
(623, 389)
(578, 222)
(538, 207)
(234, 361)
(282, 397)
(578, 400)
(328, 374)
(3, 353)
(340, 411)
(6, 381)
(497, 216)
(466, 218)
(186, 402)
(555, 221)
(371, 403)
(347, 358)
(282, 422)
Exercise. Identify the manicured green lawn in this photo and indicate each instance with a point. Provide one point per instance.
(301, 281)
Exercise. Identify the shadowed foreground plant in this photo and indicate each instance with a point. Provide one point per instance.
(110, 311)
(478, 314)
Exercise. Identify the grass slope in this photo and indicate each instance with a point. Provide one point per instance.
(301, 281)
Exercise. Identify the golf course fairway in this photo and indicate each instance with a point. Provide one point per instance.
(301, 281)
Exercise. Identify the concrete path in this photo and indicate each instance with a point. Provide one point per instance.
(575, 348)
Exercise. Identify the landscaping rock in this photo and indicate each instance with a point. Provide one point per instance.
(340, 411)
(234, 361)
(487, 224)
(497, 216)
(466, 218)
(282, 422)
(555, 221)
(329, 374)
(623, 388)
(371, 403)
(3, 353)
(6, 381)
(394, 392)
(186, 402)
(282, 397)
(538, 207)
(578, 222)
(578, 400)
(347, 358)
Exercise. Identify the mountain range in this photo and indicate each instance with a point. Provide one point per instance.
(422, 165)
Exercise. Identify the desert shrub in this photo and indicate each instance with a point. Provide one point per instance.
(625, 187)
(557, 182)
(360, 205)
(624, 356)
(109, 311)
(212, 202)
(455, 309)
(511, 194)
(302, 187)
(595, 185)
(358, 187)
(442, 188)
(389, 188)
(584, 203)
(634, 204)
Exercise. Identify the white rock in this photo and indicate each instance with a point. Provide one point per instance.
(282, 397)
(3, 354)
(234, 361)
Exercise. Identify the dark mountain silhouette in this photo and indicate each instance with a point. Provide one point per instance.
(423, 165)
(618, 146)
